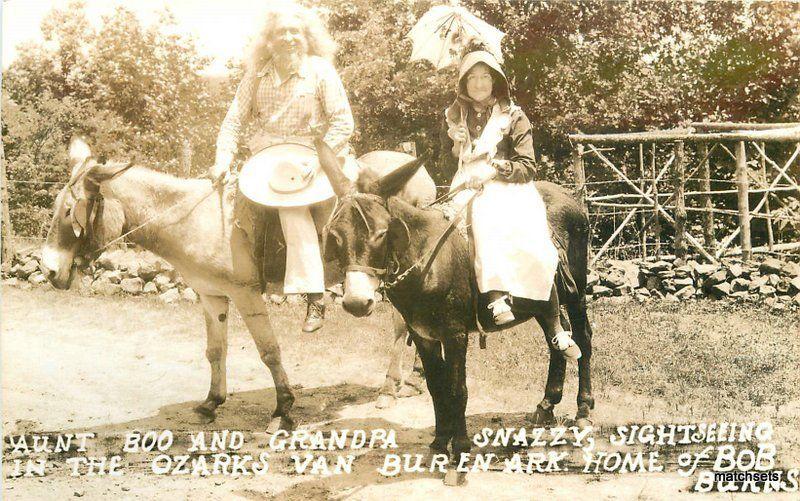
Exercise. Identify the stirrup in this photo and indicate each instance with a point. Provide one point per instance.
(563, 342)
(501, 310)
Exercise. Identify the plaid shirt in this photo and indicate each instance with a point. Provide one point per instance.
(273, 110)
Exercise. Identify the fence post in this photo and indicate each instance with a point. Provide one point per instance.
(708, 216)
(640, 215)
(770, 236)
(743, 185)
(680, 200)
(8, 232)
(579, 175)
(656, 214)
(186, 158)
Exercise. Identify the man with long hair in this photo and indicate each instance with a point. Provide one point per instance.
(290, 92)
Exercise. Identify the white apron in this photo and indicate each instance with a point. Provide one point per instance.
(514, 252)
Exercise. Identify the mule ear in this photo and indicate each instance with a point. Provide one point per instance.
(80, 217)
(399, 234)
(394, 181)
(108, 222)
(79, 152)
(103, 172)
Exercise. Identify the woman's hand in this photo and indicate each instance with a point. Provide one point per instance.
(459, 134)
(474, 182)
(503, 167)
(219, 174)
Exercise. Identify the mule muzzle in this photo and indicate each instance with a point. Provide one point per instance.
(57, 267)
(359, 293)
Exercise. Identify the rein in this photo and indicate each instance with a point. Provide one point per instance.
(95, 197)
(425, 259)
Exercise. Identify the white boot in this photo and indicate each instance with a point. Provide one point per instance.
(563, 342)
(501, 310)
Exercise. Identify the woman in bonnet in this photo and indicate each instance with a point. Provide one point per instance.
(491, 138)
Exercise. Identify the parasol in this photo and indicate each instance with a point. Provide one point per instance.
(442, 34)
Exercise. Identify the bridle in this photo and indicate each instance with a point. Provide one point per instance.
(352, 199)
(93, 201)
(392, 278)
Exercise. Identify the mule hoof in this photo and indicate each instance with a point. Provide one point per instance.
(408, 390)
(384, 402)
(274, 425)
(205, 414)
(583, 423)
(455, 478)
(543, 417)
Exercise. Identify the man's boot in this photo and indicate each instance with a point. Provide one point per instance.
(315, 312)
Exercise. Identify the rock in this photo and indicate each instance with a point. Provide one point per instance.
(280, 299)
(591, 279)
(614, 279)
(721, 290)
(668, 285)
(26, 286)
(150, 288)
(150, 266)
(11, 281)
(601, 291)
(757, 282)
(109, 260)
(783, 286)
(132, 269)
(170, 296)
(795, 283)
(703, 269)
(113, 276)
(796, 299)
(163, 282)
(105, 288)
(628, 269)
(132, 285)
(671, 298)
(716, 277)
(735, 270)
(37, 278)
(792, 269)
(653, 283)
(190, 295)
(740, 284)
(27, 268)
(766, 290)
(682, 282)
(659, 266)
(685, 292)
(666, 274)
(622, 290)
(642, 291)
(773, 280)
(771, 265)
(739, 294)
(771, 301)
(86, 283)
(684, 271)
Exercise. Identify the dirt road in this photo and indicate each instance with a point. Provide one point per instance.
(108, 366)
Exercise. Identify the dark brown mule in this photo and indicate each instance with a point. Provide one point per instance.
(372, 232)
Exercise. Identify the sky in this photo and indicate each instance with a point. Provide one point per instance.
(221, 28)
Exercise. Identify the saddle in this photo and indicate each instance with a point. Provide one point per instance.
(262, 225)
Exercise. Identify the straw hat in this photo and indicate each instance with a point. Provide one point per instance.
(285, 175)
